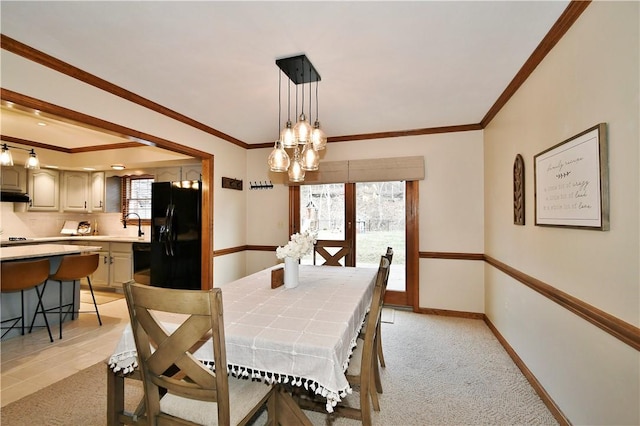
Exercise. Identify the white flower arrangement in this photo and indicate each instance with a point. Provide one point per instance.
(298, 245)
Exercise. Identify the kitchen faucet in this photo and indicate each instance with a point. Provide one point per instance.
(124, 223)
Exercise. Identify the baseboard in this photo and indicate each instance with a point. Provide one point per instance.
(533, 381)
(537, 386)
(449, 313)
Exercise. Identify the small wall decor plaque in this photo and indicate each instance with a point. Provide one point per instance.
(572, 182)
(518, 190)
(231, 183)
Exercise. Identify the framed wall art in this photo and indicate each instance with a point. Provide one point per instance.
(572, 182)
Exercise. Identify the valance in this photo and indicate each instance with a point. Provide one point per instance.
(371, 170)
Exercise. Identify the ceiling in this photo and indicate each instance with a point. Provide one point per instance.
(385, 66)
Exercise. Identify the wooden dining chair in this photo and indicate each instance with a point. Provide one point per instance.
(331, 252)
(361, 370)
(388, 255)
(195, 393)
(379, 356)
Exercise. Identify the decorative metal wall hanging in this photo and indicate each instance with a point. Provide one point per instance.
(518, 190)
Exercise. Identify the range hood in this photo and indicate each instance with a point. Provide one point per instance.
(14, 197)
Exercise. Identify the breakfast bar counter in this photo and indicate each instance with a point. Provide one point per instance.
(11, 304)
(31, 251)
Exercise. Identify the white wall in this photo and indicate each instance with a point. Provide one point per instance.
(591, 76)
(29, 78)
(451, 215)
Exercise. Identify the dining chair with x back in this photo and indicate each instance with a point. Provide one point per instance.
(195, 393)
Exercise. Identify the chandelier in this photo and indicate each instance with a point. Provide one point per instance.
(302, 139)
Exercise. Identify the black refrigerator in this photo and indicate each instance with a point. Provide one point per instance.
(176, 236)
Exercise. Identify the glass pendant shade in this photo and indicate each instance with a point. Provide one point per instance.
(302, 129)
(32, 162)
(6, 159)
(288, 136)
(296, 172)
(309, 158)
(318, 138)
(279, 159)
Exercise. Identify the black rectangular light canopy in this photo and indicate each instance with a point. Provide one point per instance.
(299, 69)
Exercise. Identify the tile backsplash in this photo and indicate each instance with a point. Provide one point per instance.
(48, 224)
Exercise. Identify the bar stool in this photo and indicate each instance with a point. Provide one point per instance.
(74, 268)
(21, 276)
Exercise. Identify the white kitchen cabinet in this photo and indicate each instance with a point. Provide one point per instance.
(75, 191)
(14, 178)
(167, 174)
(115, 266)
(191, 172)
(101, 275)
(97, 192)
(177, 174)
(44, 189)
(122, 264)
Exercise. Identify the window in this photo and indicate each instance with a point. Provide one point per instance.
(136, 196)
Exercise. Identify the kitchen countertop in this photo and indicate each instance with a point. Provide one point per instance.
(42, 250)
(106, 238)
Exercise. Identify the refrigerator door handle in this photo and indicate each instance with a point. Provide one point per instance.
(169, 231)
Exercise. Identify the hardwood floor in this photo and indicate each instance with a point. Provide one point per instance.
(31, 362)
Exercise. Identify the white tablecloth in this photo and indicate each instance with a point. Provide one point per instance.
(303, 335)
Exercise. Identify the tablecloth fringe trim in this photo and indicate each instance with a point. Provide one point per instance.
(333, 398)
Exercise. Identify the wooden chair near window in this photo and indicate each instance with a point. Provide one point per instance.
(361, 370)
(379, 356)
(194, 393)
(388, 255)
(331, 252)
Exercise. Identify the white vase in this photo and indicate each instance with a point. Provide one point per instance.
(291, 272)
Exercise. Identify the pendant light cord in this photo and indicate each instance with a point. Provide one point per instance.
(302, 67)
(316, 100)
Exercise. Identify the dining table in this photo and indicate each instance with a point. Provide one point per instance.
(299, 337)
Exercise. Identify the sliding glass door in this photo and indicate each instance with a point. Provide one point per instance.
(371, 215)
(380, 223)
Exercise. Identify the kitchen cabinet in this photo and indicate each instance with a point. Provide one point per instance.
(177, 174)
(191, 172)
(116, 265)
(75, 191)
(83, 192)
(167, 174)
(97, 192)
(14, 178)
(44, 189)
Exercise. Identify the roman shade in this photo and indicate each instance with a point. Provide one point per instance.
(371, 170)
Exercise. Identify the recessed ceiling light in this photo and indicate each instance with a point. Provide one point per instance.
(88, 168)
(117, 167)
(40, 123)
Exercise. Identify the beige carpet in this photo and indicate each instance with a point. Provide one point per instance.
(102, 297)
(440, 371)
(78, 400)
